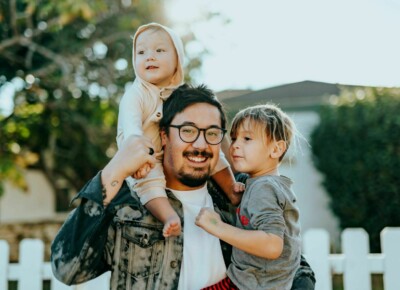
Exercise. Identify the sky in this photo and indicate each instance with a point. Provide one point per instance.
(268, 43)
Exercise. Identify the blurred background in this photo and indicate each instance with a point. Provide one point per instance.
(333, 65)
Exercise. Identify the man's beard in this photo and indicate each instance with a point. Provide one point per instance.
(200, 176)
(193, 180)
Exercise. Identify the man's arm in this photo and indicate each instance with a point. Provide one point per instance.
(78, 251)
(134, 153)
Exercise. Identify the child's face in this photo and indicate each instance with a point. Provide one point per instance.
(155, 60)
(250, 153)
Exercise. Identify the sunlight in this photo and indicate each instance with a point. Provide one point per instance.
(183, 11)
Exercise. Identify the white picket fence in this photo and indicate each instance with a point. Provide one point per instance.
(355, 263)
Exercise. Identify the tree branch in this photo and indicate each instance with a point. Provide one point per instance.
(13, 17)
(58, 59)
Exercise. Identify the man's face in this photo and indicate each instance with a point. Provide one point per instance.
(188, 165)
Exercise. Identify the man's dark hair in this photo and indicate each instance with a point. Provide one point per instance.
(185, 96)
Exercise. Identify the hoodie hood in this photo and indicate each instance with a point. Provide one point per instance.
(177, 79)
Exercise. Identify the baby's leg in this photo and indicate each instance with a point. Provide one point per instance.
(163, 211)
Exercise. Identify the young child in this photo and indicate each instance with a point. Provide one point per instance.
(158, 63)
(266, 239)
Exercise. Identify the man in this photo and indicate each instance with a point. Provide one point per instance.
(123, 237)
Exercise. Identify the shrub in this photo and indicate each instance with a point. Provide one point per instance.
(356, 147)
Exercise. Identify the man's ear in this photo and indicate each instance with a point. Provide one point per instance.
(279, 149)
(163, 136)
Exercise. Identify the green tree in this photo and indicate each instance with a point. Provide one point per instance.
(356, 146)
(69, 62)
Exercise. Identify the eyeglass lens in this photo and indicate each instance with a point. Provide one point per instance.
(191, 133)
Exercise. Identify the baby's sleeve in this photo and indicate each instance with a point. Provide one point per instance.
(130, 115)
(151, 186)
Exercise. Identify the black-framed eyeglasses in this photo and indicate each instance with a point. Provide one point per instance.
(190, 133)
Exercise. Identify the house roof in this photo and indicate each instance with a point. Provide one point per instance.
(294, 96)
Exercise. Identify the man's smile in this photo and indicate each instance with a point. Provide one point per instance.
(197, 156)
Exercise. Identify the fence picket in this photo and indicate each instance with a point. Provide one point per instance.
(355, 246)
(316, 249)
(390, 241)
(4, 257)
(100, 283)
(31, 261)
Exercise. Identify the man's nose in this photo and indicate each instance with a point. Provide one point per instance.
(200, 142)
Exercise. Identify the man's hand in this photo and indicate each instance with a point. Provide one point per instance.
(209, 221)
(133, 154)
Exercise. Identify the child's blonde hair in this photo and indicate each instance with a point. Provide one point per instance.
(268, 120)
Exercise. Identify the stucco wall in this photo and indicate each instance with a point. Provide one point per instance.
(37, 204)
(312, 197)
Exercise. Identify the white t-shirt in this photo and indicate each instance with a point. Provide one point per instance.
(202, 264)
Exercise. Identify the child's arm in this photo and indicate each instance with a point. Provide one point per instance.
(254, 242)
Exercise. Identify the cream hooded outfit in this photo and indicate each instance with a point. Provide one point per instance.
(140, 111)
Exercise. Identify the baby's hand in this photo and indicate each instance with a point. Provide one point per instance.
(237, 192)
(142, 171)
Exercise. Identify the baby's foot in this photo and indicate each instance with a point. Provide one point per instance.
(172, 227)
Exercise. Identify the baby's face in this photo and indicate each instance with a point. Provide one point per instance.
(155, 57)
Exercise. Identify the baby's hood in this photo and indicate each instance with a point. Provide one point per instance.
(179, 75)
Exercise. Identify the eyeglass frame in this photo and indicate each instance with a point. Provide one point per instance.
(199, 131)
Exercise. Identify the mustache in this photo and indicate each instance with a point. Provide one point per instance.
(198, 153)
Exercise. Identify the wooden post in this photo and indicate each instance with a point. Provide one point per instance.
(31, 262)
(316, 249)
(4, 258)
(355, 246)
(390, 243)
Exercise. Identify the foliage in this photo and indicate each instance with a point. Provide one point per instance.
(68, 62)
(356, 146)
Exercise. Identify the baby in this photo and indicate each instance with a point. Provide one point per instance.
(158, 63)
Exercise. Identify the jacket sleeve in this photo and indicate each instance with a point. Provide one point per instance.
(304, 278)
(78, 252)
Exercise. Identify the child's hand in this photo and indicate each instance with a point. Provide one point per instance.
(209, 220)
(238, 189)
(143, 171)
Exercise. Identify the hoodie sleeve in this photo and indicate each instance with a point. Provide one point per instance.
(130, 114)
(222, 163)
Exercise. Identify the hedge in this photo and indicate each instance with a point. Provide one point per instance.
(356, 147)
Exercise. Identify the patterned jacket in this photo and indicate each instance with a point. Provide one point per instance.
(127, 240)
